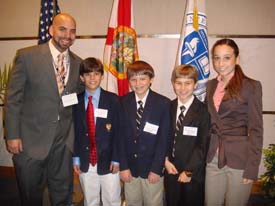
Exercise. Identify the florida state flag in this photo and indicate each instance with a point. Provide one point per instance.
(120, 47)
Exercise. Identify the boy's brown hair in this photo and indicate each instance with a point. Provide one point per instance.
(140, 68)
(185, 71)
(91, 64)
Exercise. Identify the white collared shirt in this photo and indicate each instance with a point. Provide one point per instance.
(143, 99)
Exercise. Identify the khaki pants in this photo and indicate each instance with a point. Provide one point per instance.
(140, 192)
(225, 186)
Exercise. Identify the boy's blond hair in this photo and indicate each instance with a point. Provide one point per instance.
(185, 71)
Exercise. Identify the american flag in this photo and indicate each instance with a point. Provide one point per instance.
(49, 8)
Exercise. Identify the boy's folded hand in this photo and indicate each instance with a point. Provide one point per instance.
(126, 175)
(153, 178)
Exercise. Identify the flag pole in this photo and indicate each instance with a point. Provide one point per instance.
(181, 36)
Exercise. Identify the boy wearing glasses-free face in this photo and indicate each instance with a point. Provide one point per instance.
(95, 150)
(185, 163)
(145, 133)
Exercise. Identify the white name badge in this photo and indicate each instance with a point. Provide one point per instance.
(69, 99)
(151, 128)
(190, 131)
(101, 113)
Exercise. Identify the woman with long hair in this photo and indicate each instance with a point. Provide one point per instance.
(235, 106)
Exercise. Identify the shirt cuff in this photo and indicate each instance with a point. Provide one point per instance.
(76, 161)
(115, 163)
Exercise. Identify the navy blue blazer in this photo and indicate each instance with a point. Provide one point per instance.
(190, 151)
(143, 152)
(106, 134)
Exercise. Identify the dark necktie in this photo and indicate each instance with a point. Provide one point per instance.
(91, 131)
(179, 124)
(139, 114)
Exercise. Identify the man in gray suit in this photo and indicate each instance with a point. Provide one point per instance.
(39, 127)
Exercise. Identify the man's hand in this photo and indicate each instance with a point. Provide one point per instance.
(14, 146)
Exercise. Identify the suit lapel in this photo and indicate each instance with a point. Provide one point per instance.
(81, 105)
(211, 106)
(73, 71)
(147, 108)
(192, 112)
(174, 107)
(49, 72)
(102, 103)
(133, 110)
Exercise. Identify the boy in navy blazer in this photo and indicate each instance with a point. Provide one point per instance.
(186, 160)
(143, 144)
(98, 172)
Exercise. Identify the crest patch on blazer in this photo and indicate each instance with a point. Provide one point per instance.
(108, 127)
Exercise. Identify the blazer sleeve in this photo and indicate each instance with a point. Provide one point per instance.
(15, 96)
(255, 131)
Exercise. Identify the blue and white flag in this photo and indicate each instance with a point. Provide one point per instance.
(49, 8)
(193, 45)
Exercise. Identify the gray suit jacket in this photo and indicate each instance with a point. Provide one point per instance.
(33, 104)
(237, 128)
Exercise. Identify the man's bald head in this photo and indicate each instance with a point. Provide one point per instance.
(63, 17)
(63, 31)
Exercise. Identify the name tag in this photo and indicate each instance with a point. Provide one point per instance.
(190, 131)
(151, 128)
(103, 113)
(69, 99)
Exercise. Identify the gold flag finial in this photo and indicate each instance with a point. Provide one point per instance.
(195, 16)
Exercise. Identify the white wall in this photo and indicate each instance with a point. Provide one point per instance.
(256, 17)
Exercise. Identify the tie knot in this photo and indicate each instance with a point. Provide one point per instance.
(182, 108)
(90, 98)
(60, 57)
(140, 103)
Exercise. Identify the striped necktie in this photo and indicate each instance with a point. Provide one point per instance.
(180, 118)
(179, 125)
(139, 114)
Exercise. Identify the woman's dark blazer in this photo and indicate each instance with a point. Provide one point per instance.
(237, 128)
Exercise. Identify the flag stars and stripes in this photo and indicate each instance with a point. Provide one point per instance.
(49, 8)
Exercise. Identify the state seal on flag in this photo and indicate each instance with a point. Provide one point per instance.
(123, 50)
(195, 52)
